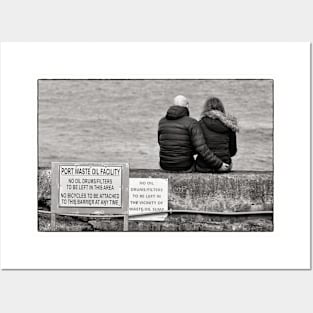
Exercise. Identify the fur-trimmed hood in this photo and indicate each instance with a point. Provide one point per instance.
(226, 119)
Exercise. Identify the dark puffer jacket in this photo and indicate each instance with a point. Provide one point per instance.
(180, 137)
(219, 138)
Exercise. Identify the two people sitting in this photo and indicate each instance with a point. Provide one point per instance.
(212, 139)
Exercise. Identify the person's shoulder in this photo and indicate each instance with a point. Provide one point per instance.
(162, 120)
(191, 123)
(194, 124)
(215, 125)
(190, 120)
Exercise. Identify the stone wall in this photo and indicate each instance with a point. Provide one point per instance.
(229, 192)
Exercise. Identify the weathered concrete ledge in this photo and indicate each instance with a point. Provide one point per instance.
(229, 192)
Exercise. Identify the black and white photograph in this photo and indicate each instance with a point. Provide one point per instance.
(198, 154)
(155, 155)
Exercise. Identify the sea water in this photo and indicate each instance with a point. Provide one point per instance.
(117, 120)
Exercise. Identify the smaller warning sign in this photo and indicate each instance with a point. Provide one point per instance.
(148, 195)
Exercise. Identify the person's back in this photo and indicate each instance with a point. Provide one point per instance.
(180, 137)
(219, 131)
(176, 151)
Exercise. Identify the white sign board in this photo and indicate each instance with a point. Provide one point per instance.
(90, 186)
(148, 195)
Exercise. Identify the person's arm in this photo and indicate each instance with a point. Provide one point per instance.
(202, 148)
(232, 143)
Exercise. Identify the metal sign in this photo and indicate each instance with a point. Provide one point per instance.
(89, 188)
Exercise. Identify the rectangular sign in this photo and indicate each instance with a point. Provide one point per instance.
(90, 188)
(148, 195)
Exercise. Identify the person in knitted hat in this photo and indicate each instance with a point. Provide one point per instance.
(219, 130)
(180, 138)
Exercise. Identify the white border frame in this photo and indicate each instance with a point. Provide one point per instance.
(23, 247)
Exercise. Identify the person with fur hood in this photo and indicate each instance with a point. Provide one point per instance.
(219, 130)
